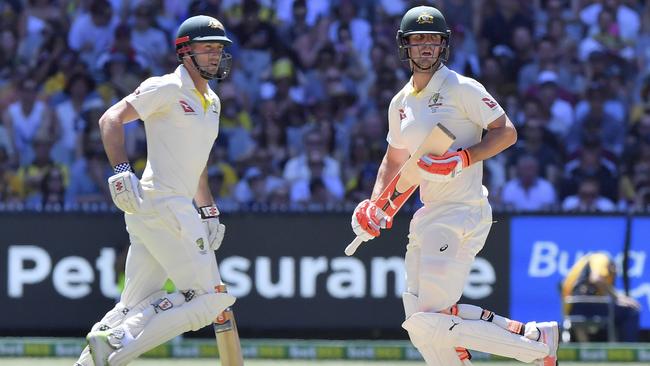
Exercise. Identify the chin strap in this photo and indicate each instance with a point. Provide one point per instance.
(434, 67)
(204, 74)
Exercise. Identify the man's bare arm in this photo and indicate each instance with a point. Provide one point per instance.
(501, 135)
(112, 131)
(203, 195)
(393, 161)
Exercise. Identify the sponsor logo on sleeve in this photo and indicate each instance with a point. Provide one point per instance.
(489, 102)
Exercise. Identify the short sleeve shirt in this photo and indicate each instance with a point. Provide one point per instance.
(180, 131)
(459, 103)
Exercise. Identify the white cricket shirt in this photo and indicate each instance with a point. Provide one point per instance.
(180, 133)
(459, 103)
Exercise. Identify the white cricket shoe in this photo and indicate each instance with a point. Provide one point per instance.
(100, 346)
(549, 334)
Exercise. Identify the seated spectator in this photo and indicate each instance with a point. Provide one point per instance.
(534, 140)
(89, 173)
(627, 20)
(149, 41)
(31, 176)
(588, 199)
(590, 163)
(298, 166)
(251, 189)
(91, 33)
(26, 119)
(122, 49)
(601, 117)
(634, 185)
(553, 100)
(642, 107)
(330, 188)
(528, 191)
(546, 58)
(53, 189)
(69, 123)
(8, 189)
(594, 274)
(607, 36)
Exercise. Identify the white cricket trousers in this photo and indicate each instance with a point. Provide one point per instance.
(168, 240)
(444, 238)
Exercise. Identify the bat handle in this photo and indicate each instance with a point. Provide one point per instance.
(352, 247)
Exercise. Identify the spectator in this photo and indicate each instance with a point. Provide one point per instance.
(298, 167)
(596, 123)
(500, 23)
(68, 121)
(560, 112)
(319, 186)
(27, 119)
(8, 185)
(590, 163)
(546, 58)
(627, 19)
(607, 36)
(92, 33)
(595, 274)
(357, 28)
(89, 173)
(53, 189)
(537, 141)
(588, 199)
(148, 41)
(30, 177)
(528, 191)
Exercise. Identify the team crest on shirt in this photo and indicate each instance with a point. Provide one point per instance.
(186, 107)
(434, 102)
(201, 245)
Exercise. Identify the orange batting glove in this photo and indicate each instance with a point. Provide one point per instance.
(443, 168)
(368, 220)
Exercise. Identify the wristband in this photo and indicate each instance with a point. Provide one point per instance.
(209, 212)
(122, 167)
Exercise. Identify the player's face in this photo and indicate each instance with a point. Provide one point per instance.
(208, 55)
(425, 48)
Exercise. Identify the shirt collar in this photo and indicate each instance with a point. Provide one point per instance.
(187, 82)
(184, 76)
(434, 83)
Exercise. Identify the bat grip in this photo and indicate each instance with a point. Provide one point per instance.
(352, 247)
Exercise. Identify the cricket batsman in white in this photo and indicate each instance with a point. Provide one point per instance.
(452, 226)
(169, 237)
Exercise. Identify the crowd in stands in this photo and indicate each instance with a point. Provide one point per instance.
(304, 111)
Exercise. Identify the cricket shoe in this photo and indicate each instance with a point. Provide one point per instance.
(104, 342)
(549, 334)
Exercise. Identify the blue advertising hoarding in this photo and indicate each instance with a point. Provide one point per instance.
(543, 249)
(639, 268)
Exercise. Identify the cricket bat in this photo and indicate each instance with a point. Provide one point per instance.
(225, 330)
(407, 180)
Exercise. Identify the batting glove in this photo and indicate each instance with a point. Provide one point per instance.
(368, 220)
(125, 189)
(443, 168)
(216, 230)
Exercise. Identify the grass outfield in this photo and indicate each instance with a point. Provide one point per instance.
(209, 362)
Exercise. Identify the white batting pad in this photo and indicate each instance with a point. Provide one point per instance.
(166, 325)
(115, 317)
(448, 331)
